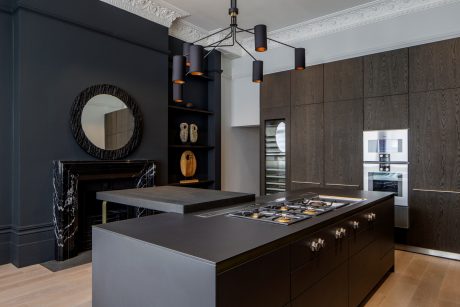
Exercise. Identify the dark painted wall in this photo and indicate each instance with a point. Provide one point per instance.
(62, 47)
(5, 132)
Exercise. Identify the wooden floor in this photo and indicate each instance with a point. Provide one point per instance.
(418, 281)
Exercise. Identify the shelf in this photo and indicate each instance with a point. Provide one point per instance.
(201, 182)
(191, 110)
(186, 146)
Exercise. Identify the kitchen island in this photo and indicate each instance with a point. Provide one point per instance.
(211, 259)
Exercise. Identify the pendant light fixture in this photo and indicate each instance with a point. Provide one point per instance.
(178, 92)
(178, 72)
(193, 55)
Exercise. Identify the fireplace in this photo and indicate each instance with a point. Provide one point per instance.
(75, 207)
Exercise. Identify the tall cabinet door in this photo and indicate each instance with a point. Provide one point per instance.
(435, 170)
(343, 145)
(307, 128)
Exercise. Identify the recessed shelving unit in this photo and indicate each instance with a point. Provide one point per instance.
(203, 92)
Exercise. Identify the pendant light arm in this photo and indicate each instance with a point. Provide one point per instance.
(270, 39)
(246, 50)
(199, 40)
(220, 41)
(214, 48)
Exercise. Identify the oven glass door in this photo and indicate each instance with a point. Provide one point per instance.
(393, 181)
(393, 142)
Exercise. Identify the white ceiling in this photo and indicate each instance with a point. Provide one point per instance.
(276, 14)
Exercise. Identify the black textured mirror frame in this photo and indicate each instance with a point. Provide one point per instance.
(178, 70)
(178, 93)
(196, 60)
(257, 71)
(299, 59)
(77, 129)
(260, 38)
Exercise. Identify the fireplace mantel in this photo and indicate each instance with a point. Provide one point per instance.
(66, 178)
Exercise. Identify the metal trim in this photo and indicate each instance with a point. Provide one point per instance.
(428, 252)
(306, 182)
(343, 185)
(436, 191)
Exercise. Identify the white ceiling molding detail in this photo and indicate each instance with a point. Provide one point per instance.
(158, 11)
(189, 32)
(354, 17)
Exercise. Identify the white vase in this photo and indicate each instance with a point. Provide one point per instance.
(193, 133)
(184, 132)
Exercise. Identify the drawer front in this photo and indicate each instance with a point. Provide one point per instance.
(367, 267)
(309, 264)
(330, 291)
(370, 224)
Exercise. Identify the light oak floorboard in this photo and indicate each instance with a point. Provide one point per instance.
(418, 280)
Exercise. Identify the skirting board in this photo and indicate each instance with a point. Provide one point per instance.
(428, 252)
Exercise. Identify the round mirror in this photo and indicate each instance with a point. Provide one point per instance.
(280, 136)
(106, 122)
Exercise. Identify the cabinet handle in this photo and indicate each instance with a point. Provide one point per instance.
(340, 233)
(343, 185)
(305, 182)
(436, 191)
(317, 245)
(371, 217)
(355, 225)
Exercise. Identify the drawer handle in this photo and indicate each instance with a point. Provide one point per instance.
(355, 225)
(343, 185)
(317, 245)
(437, 191)
(371, 217)
(306, 182)
(340, 233)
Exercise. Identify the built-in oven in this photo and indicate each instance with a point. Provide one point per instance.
(386, 168)
(386, 146)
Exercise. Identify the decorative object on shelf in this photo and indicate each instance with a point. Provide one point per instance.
(188, 166)
(189, 105)
(184, 132)
(193, 133)
(193, 55)
(106, 122)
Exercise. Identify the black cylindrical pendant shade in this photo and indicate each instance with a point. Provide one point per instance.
(196, 60)
(299, 58)
(257, 71)
(260, 38)
(178, 70)
(186, 52)
(178, 92)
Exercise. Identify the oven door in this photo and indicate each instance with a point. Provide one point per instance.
(393, 181)
(392, 142)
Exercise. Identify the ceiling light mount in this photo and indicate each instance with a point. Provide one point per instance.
(194, 54)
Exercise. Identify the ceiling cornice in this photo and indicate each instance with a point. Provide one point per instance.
(350, 18)
(158, 11)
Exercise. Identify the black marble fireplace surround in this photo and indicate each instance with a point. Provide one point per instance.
(75, 207)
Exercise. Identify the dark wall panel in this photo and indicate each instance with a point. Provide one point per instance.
(5, 132)
(55, 60)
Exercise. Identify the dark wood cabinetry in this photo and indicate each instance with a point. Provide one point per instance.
(307, 139)
(435, 140)
(307, 86)
(261, 282)
(343, 80)
(435, 66)
(275, 91)
(386, 73)
(387, 112)
(343, 129)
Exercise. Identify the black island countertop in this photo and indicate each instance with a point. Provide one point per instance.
(226, 241)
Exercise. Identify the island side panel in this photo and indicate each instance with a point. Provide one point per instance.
(129, 272)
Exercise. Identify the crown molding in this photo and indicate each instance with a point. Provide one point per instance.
(350, 18)
(158, 11)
